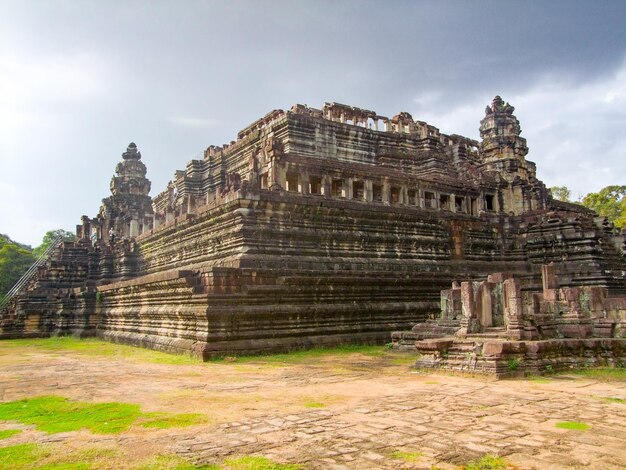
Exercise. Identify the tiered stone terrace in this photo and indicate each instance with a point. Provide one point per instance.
(314, 227)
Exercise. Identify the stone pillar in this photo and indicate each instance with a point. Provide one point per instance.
(134, 228)
(386, 190)
(326, 185)
(452, 203)
(86, 229)
(347, 188)
(303, 183)
(513, 309)
(469, 323)
(486, 307)
(369, 191)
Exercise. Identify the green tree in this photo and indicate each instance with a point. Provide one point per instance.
(15, 259)
(609, 202)
(562, 193)
(49, 237)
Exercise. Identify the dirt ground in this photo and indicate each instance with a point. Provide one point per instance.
(329, 412)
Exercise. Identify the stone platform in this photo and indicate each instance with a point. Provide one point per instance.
(495, 327)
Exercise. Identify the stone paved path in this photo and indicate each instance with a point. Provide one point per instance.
(371, 408)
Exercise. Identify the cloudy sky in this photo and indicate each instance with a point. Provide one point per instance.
(81, 79)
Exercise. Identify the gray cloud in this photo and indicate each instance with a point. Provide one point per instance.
(79, 80)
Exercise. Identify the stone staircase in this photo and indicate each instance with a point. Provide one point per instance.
(491, 333)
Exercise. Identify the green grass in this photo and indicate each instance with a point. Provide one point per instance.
(251, 462)
(165, 421)
(539, 379)
(407, 456)
(57, 414)
(96, 347)
(606, 399)
(573, 425)
(404, 359)
(8, 433)
(314, 404)
(54, 414)
(607, 374)
(487, 462)
(172, 462)
(39, 457)
(303, 355)
(20, 456)
(512, 364)
(248, 462)
(84, 459)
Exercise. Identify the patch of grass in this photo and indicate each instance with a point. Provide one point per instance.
(314, 404)
(165, 421)
(304, 355)
(512, 364)
(251, 462)
(573, 425)
(607, 374)
(479, 407)
(407, 456)
(8, 433)
(404, 359)
(606, 399)
(54, 414)
(539, 379)
(88, 459)
(172, 462)
(96, 347)
(20, 456)
(486, 462)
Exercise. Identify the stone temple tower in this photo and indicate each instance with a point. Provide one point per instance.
(129, 208)
(503, 154)
(500, 133)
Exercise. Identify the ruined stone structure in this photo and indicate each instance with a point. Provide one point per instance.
(502, 326)
(316, 226)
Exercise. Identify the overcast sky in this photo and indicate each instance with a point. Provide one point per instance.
(79, 80)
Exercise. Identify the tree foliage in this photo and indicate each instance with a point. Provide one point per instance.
(562, 193)
(609, 202)
(15, 259)
(49, 237)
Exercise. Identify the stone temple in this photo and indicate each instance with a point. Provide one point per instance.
(314, 227)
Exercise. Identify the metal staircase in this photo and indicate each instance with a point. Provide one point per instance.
(30, 274)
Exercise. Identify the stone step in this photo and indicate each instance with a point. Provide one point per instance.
(489, 335)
